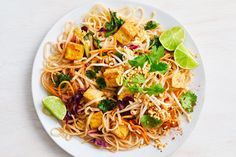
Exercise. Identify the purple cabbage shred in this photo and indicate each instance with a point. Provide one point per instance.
(133, 47)
(72, 105)
(124, 102)
(102, 29)
(99, 142)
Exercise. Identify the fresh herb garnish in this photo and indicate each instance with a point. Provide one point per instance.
(188, 100)
(60, 78)
(156, 54)
(90, 74)
(106, 105)
(138, 78)
(135, 88)
(150, 122)
(101, 82)
(154, 42)
(154, 89)
(134, 83)
(160, 67)
(150, 25)
(119, 55)
(138, 61)
(97, 42)
(86, 37)
(113, 25)
(152, 58)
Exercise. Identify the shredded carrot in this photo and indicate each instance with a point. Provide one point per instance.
(142, 131)
(51, 90)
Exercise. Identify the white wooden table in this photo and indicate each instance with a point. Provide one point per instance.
(23, 24)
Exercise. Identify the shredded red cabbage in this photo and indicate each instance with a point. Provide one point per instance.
(102, 29)
(133, 47)
(99, 142)
(125, 101)
(72, 105)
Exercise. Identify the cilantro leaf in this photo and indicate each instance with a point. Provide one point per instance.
(156, 54)
(150, 25)
(106, 105)
(119, 55)
(150, 122)
(86, 37)
(138, 61)
(155, 42)
(113, 25)
(101, 82)
(109, 26)
(135, 88)
(154, 89)
(188, 100)
(138, 78)
(97, 42)
(60, 78)
(125, 82)
(90, 74)
(160, 67)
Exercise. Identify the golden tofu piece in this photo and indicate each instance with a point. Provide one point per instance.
(126, 33)
(74, 51)
(92, 93)
(179, 80)
(96, 120)
(122, 37)
(130, 29)
(125, 92)
(121, 131)
(112, 76)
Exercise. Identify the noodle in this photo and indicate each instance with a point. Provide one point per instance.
(73, 77)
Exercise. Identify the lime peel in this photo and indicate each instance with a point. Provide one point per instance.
(171, 38)
(184, 58)
(55, 106)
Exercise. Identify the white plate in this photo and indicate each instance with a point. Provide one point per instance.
(75, 146)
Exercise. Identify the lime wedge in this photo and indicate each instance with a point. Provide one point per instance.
(184, 58)
(171, 38)
(55, 105)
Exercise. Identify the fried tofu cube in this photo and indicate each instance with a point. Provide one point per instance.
(126, 33)
(92, 93)
(74, 51)
(130, 29)
(122, 37)
(96, 120)
(179, 80)
(121, 131)
(125, 92)
(112, 76)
